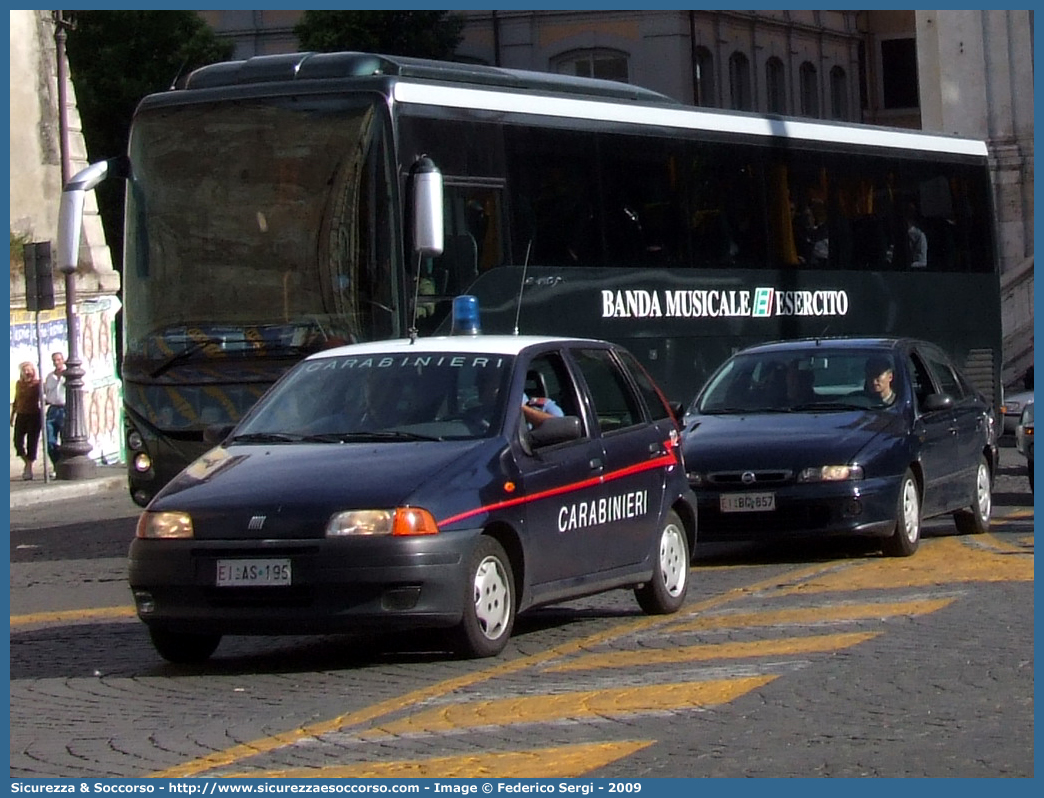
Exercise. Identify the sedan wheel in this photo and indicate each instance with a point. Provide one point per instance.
(665, 592)
(975, 520)
(907, 534)
(489, 608)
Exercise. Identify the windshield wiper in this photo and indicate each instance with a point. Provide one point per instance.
(377, 435)
(181, 354)
(267, 437)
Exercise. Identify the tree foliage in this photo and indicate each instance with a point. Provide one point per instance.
(421, 34)
(115, 59)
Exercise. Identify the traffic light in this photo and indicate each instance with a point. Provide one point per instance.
(39, 276)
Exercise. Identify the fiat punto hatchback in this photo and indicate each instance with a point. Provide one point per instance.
(446, 482)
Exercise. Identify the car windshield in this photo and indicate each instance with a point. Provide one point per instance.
(393, 396)
(801, 381)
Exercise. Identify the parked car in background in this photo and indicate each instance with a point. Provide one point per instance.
(405, 484)
(1015, 402)
(1024, 439)
(843, 436)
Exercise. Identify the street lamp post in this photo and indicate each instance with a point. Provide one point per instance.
(73, 462)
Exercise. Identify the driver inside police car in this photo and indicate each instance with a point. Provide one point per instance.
(536, 409)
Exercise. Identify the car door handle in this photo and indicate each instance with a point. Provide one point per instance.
(595, 464)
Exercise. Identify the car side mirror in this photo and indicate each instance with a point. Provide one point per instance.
(555, 430)
(216, 433)
(938, 401)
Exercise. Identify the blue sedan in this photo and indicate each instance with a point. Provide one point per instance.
(840, 437)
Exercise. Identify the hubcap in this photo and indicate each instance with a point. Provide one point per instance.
(982, 492)
(911, 511)
(673, 568)
(492, 598)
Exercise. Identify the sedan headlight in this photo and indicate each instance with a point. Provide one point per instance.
(400, 522)
(164, 525)
(831, 473)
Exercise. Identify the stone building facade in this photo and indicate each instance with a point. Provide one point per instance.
(966, 72)
(36, 185)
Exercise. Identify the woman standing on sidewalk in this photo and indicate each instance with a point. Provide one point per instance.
(25, 416)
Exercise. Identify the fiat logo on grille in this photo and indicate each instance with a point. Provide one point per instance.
(748, 478)
(256, 522)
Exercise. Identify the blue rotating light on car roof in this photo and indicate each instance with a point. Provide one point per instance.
(465, 316)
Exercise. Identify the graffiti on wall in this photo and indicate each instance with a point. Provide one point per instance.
(103, 393)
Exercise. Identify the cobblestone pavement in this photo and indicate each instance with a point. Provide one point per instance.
(805, 661)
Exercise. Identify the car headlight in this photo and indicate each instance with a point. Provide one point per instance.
(401, 521)
(831, 473)
(164, 525)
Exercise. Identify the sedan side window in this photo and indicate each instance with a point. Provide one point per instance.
(615, 404)
(945, 376)
(922, 381)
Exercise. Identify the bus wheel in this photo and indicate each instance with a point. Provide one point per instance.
(489, 602)
(907, 534)
(665, 592)
(183, 648)
(975, 520)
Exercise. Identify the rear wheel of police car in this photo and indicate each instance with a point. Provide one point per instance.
(665, 592)
(975, 519)
(489, 603)
(183, 648)
(907, 534)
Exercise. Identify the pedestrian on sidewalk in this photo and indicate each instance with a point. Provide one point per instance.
(54, 397)
(25, 416)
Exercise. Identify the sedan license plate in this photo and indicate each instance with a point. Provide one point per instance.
(747, 502)
(253, 573)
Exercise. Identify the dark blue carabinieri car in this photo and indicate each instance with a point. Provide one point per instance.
(444, 482)
(840, 436)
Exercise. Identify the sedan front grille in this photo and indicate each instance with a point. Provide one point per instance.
(738, 480)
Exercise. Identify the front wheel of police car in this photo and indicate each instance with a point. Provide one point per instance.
(489, 604)
(665, 592)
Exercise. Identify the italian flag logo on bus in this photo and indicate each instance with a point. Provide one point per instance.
(763, 301)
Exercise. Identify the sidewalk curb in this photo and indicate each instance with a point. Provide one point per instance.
(61, 490)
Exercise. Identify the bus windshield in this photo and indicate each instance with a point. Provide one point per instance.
(257, 227)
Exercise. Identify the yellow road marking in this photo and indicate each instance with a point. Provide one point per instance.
(68, 616)
(939, 561)
(749, 648)
(266, 744)
(819, 577)
(561, 762)
(812, 615)
(580, 705)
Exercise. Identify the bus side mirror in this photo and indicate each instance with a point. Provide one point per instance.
(427, 208)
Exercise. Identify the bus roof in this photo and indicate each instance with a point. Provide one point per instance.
(326, 66)
(485, 88)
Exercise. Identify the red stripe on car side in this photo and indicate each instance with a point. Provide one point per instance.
(666, 460)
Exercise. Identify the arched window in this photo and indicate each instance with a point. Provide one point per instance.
(776, 86)
(838, 93)
(600, 63)
(703, 79)
(809, 90)
(739, 82)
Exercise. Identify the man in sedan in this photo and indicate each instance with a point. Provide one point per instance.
(879, 376)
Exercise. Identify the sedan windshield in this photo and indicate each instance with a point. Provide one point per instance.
(381, 397)
(800, 381)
